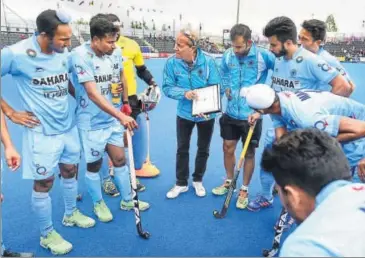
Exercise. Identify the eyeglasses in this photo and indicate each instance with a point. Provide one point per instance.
(190, 37)
(63, 16)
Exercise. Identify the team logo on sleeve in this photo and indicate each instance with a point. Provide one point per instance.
(321, 125)
(299, 59)
(31, 52)
(324, 67)
(80, 70)
(341, 71)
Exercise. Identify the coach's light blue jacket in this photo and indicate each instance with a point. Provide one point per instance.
(239, 72)
(179, 78)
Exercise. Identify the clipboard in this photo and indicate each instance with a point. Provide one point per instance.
(208, 102)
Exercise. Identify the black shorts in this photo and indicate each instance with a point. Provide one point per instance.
(233, 129)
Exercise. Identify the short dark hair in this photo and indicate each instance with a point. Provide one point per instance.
(307, 158)
(283, 28)
(47, 22)
(240, 30)
(316, 28)
(101, 27)
(96, 17)
(113, 17)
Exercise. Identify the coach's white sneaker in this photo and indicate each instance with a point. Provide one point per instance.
(199, 189)
(176, 190)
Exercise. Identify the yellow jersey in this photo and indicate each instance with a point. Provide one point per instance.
(132, 56)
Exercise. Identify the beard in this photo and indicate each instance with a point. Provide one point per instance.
(282, 52)
(55, 49)
(109, 53)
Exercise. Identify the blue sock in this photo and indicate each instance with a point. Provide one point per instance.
(69, 187)
(267, 183)
(104, 170)
(42, 206)
(123, 181)
(93, 186)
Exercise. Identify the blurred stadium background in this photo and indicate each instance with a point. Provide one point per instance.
(155, 29)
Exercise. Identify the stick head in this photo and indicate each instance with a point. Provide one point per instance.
(217, 215)
(269, 253)
(145, 235)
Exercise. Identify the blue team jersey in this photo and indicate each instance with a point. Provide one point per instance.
(179, 78)
(304, 71)
(321, 110)
(334, 63)
(42, 81)
(335, 228)
(238, 72)
(88, 67)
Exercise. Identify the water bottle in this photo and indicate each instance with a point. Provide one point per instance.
(116, 97)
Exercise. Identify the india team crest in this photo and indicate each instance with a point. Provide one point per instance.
(200, 72)
(31, 52)
(293, 73)
(299, 59)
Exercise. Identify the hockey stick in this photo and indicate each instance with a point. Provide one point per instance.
(148, 137)
(232, 186)
(278, 233)
(143, 234)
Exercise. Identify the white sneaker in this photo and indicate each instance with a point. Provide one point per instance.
(176, 190)
(199, 189)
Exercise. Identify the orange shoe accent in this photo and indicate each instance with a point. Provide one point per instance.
(148, 170)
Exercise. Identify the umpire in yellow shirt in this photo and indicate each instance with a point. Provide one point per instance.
(133, 58)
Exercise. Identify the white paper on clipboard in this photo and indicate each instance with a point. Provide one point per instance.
(208, 102)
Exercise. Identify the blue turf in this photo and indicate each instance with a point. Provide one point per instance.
(181, 227)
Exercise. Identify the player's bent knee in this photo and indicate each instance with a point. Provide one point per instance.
(68, 170)
(43, 185)
(119, 161)
(228, 149)
(94, 166)
(250, 152)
